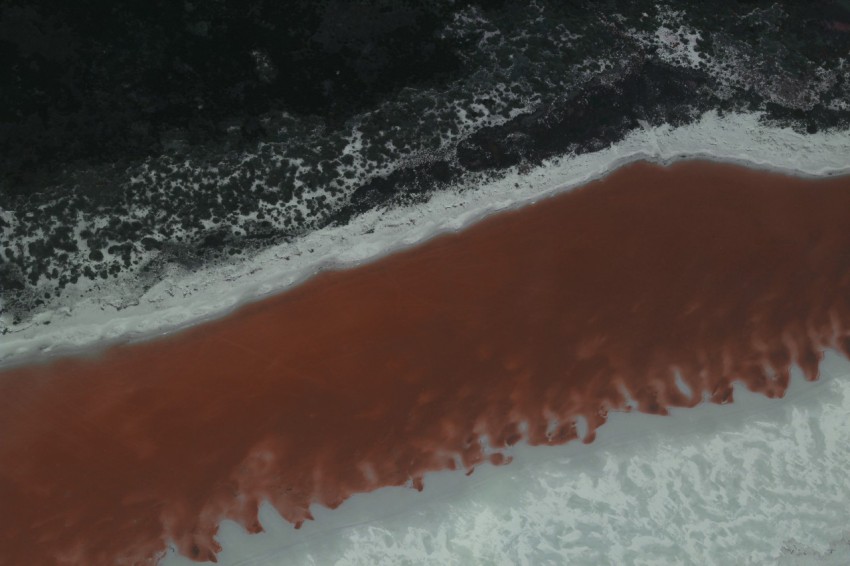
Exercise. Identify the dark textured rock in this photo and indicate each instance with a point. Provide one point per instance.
(138, 135)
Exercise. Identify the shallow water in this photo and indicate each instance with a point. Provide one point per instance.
(653, 289)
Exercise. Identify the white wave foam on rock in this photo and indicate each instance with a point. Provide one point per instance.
(187, 298)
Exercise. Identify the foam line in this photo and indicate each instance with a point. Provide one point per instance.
(188, 299)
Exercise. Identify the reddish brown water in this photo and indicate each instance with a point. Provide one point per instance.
(374, 376)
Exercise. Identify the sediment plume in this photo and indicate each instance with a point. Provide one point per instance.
(655, 287)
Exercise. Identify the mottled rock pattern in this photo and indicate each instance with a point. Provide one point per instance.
(140, 137)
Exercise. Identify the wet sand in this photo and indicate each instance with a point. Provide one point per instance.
(652, 288)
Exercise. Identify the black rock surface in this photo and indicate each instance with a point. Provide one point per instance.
(135, 135)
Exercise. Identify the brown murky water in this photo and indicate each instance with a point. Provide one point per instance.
(655, 287)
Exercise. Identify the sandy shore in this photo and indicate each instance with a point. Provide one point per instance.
(649, 289)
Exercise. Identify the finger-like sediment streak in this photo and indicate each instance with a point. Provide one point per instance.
(652, 288)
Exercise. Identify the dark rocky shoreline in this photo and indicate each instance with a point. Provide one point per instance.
(138, 136)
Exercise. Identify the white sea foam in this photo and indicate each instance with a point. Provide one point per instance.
(760, 481)
(184, 299)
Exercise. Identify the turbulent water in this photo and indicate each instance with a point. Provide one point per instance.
(653, 289)
(142, 143)
(756, 482)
